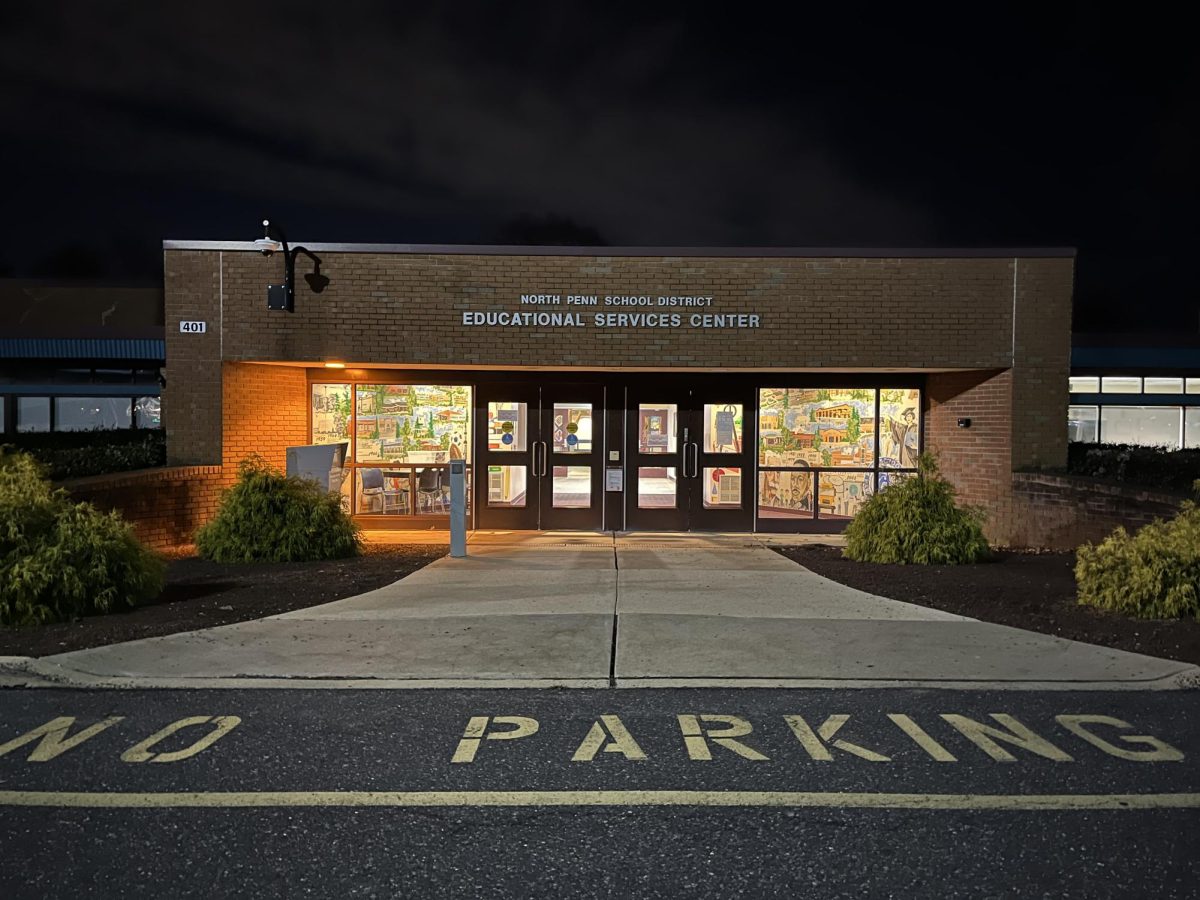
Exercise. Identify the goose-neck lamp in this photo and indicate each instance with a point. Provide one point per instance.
(282, 297)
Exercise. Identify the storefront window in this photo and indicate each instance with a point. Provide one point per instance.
(842, 494)
(657, 427)
(405, 423)
(91, 413)
(572, 428)
(1084, 384)
(147, 412)
(722, 428)
(507, 423)
(1152, 426)
(330, 413)
(33, 414)
(817, 427)
(900, 433)
(1082, 423)
(785, 495)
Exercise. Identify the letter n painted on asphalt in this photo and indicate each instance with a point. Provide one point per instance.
(814, 742)
(478, 730)
(696, 738)
(985, 737)
(610, 735)
(1160, 752)
(54, 740)
(140, 752)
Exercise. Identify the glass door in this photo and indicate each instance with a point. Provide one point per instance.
(570, 464)
(720, 463)
(656, 498)
(508, 460)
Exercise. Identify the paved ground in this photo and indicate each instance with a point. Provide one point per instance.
(821, 793)
(589, 610)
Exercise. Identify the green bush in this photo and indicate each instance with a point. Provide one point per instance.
(1152, 574)
(60, 559)
(917, 521)
(1156, 468)
(76, 454)
(269, 517)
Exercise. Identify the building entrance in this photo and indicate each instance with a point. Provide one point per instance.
(689, 458)
(540, 456)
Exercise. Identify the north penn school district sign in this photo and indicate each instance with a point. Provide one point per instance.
(658, 313)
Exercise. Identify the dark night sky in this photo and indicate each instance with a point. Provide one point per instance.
(1048, 124)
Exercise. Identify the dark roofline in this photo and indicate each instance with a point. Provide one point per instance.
(710, 252)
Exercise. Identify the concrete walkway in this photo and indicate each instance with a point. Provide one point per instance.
(589, 610)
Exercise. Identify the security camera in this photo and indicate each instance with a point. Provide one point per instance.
(266, 245)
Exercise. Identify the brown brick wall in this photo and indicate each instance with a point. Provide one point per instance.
(165, 506)
(1060, 512)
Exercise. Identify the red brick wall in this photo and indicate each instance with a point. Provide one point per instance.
(265, 410)
(165, 506)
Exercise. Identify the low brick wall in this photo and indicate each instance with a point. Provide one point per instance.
(165, 505)
(1060, 512)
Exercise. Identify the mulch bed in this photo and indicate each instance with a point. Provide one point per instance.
(201, 594)
(1035, 591)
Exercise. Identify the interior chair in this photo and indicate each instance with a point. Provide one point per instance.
(370, 490)
(395, 499)
(429, 488)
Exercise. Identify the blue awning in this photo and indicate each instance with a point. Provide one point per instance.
(83, 348)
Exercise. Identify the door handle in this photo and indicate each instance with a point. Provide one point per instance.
(545, 453)
(695, 460)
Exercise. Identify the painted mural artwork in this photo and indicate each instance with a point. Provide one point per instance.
(887, 479)
(842, 494)
(816, 427)
(412, 423)
(785, 495)
(331, 413)
(899, 438)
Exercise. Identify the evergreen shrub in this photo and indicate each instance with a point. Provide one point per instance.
(60, 559)
(1151, 574)
(76, 454)
(917, 521)
(270, 517)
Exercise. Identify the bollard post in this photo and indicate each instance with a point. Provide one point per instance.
(458, 508)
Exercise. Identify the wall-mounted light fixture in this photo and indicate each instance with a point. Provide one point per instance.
(335, 365)
(964, 423)
(283, 296)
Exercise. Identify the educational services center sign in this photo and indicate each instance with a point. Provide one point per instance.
(660, 312)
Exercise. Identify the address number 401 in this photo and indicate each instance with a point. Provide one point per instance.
(193, 327)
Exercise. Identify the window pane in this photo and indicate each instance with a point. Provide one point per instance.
(722, 428)
(412, 423)
(506, 486)
(1191, 427)
(330, 413)
(785, 495)
(147, 412)
(1193, 385)
(722, 488)
(1122, 384)
(1082, 423)
(656, 488)
(887, 479)
(572, 428)
(1146, 425)
(900, 432)
(1084, 384)
(33, 414)
(820, 427)
(657, 424)
(506, 426)
(91, 413)
(842, 494)
(572, 487)
(1164, 385)
(383, 492)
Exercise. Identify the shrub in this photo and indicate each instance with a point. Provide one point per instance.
(1148, 467)
(75, 454)
(917, 521)
(1152, 574)
(60, 559)
(270, 517)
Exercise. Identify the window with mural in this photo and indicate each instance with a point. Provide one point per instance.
(823, 451)
(331, 414)
(412, 423)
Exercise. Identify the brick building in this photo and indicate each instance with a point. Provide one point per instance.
(623, 388)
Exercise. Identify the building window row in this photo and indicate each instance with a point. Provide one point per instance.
(1172, 427)
(42, 414)
(1133, 384)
